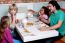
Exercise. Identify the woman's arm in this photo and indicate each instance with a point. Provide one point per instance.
(52, 27)
(56, 26)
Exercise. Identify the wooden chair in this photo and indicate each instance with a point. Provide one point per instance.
(62, 40)
(59, 41)
(63, 9)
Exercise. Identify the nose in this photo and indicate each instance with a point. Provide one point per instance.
(48, 7)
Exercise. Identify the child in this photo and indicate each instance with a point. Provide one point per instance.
(5, 33)
(12, 13)
(44, 14)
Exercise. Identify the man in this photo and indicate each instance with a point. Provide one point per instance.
(56, 20)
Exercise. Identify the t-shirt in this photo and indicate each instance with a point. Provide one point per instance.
(55, 18)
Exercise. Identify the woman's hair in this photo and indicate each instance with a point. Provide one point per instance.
(13, 7)
(54, 3)
(46, 10)
(3, 22)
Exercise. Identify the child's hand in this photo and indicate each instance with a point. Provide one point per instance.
(40, 17)
(31, 11)
(17, 21)
(39, 13)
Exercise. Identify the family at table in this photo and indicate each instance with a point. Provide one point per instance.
(51, 15)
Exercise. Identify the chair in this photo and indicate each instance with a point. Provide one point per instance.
(63, 39)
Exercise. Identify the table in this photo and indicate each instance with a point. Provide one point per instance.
(32, 32)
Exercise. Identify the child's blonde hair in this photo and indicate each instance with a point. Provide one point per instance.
(13, 7)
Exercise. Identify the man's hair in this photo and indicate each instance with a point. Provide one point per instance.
(54, 3)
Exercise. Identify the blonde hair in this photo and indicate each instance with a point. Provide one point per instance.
(13, 7)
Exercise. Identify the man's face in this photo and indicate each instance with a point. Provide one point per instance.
(51, 7)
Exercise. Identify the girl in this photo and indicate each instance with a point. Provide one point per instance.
(12, 13)
(5, 33)
(43, 14)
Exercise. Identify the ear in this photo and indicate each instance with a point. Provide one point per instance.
(54, 7)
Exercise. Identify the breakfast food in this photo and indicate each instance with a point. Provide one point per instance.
(25, 30)
(29, 23)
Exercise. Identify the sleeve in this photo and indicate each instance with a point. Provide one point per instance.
(45, 17)
(10, 37)
(61, 17)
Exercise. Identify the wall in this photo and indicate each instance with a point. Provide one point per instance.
(3, 9)
(23, 7)
(25, 1)
(37, 6)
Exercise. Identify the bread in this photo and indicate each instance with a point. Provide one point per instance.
(25, 30)
(29, 23)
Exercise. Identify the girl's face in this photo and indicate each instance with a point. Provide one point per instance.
(7, 23)
(13, 11)
(41, 11)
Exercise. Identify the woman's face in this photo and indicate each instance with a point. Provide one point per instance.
(51, 7)
(41, 11)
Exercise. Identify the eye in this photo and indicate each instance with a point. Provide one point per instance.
(41, 10)
(14, 9)
(49, 6)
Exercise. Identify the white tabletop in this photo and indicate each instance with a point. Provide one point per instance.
(34, 33)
